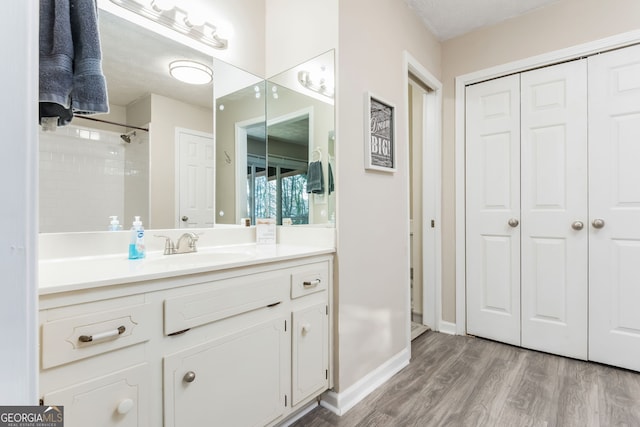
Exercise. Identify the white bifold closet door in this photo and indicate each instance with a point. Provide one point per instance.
(554, 227)
(493, 202)
(614, 205)
(526, 195)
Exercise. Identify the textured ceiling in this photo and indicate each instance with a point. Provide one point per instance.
(136, 61)
(451, 18)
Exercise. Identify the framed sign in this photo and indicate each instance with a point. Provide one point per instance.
(380, 134)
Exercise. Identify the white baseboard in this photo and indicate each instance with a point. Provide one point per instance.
(448, 328)
(340, 403)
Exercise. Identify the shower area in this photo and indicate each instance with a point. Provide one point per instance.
(88, 174)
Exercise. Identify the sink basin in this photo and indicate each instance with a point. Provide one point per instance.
(201, 258)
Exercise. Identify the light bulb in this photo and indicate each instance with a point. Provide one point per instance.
(162, 5)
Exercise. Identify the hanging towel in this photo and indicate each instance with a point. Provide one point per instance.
(71, 78)
(331, 181)
(315, 178)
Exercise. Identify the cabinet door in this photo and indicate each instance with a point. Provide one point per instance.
(554, 229)
(493, 203)
(614, 208)
(237, 380)
(118, 399)
(310, 353)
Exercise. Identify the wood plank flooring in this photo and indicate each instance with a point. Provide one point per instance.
(466, 381)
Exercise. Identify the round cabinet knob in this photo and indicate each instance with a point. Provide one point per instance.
(185, 218)
(513, 222)
(189, 377)
(577, 225)
(124, 406)
(306, 328)
(597, 223)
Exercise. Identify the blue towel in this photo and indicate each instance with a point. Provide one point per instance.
(71, 78)
(315, 178)
(331, 181)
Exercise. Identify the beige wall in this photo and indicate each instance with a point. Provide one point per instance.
(297, 31)
(563, 24)
(373, 208)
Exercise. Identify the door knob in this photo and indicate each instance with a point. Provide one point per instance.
(189, 377)
(598, 223)
(577, 225)
(185, 218)
(513, 222)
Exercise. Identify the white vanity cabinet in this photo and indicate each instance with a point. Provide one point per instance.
(239, 379)
(246, 346)
(309, 332)
(93, 361)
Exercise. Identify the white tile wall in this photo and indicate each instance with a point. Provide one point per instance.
(82, 178)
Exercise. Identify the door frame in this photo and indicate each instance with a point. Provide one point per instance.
(546, 59)
(431, 193)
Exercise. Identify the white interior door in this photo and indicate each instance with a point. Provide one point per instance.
(614, 206)
(554, 229)
(493, 209)
(196, 179)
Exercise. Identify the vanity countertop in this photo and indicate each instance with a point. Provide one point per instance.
(77, 273)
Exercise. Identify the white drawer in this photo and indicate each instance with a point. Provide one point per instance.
(118, 399)
(75, 338)
(224, 298)
(309, 279)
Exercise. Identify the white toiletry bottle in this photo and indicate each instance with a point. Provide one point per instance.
(114, 225)
(136, 244)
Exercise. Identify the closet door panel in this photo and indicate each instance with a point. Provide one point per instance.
(554, 209)
(614, 205)
(492, 199)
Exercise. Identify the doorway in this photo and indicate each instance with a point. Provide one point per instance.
(424, 102)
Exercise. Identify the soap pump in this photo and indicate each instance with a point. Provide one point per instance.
(114, 225)
(136, 244)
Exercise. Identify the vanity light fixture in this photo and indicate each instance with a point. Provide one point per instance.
(318, 85)
(191, 72)
(165, 12)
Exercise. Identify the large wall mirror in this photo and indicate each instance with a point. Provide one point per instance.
(301, 143)
(184, 155)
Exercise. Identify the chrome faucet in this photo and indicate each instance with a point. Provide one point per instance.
(186, 244)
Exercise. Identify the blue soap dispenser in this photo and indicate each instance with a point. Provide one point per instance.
(136, 244)
(114, 225)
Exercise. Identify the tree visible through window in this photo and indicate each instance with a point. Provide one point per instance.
(282, 195)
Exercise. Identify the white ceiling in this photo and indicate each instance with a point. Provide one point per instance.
(451, 18)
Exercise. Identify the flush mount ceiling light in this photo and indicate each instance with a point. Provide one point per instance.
(165, 12)
(191, 72)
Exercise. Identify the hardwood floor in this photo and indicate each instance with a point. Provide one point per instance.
(466, 381)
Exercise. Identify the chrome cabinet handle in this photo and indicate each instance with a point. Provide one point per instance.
(598, 223)
(577, 225)
(513, 222)
(311, 284)
(102, 335)
(189, 377)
